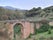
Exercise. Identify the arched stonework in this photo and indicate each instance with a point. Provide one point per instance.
(26, 29)
(18, 31)
(22, 29)
(11, 29)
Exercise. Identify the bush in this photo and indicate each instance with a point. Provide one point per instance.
(49, 31)
(43, 28)
(51, 27)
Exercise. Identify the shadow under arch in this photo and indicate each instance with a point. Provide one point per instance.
(18, 30)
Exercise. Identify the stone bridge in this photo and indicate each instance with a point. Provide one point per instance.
(27, 27)
(26, 30)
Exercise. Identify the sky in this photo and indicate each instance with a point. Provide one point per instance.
(26, 4)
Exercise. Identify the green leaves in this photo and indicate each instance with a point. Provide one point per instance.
(43, 28)
(17, 29)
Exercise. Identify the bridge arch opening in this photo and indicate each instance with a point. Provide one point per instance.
(18, 30)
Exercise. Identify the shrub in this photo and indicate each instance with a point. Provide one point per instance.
(49, 31)
(51, 27)
(43, 28)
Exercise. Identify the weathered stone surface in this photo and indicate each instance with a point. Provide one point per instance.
(9, 28)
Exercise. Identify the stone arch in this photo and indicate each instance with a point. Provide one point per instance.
(18, 23)
(26, 29)
(22, 28)
(22, 24)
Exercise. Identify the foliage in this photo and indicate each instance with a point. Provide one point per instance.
(45, 35)
(17, 29)
(43, 28)
(8, 14)
(49, 31)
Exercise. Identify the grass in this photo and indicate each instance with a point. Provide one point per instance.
(43, 35)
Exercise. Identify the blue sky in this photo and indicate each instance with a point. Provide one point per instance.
(26, 4)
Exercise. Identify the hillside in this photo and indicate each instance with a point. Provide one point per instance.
(10, 13)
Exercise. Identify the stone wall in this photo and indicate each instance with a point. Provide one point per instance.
(51, 23)
(28, 28)
(32, 28)
(3, 31)
(25, 32)
(38, 25)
